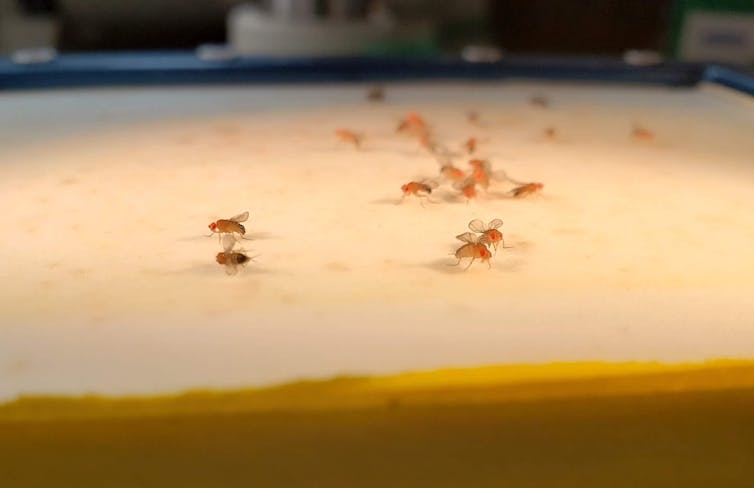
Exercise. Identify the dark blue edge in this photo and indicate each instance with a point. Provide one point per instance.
(185, 68)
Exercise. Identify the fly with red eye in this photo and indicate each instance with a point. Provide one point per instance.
(488, 234)
(474, 249)
(230, 226)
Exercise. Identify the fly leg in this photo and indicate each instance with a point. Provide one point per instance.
(470, 263)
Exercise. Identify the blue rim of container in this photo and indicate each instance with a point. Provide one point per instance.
(186, 68)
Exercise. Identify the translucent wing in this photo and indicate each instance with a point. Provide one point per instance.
(467, 237)
(477, 225)
(444, 159)
(522, 190)
(495, 223)
(461, 184)
(230, 267)
(228, 242)
(242, 217)
(500, 175)
(430, 183)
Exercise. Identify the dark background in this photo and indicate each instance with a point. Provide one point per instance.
(528, 26)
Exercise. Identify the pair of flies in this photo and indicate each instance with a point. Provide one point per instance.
(229, 231)
(478, 242)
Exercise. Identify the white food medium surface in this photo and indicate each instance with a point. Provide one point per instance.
(636, 250)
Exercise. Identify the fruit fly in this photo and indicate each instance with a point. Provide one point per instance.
(481, 172)
(420, 189)
(349, 137)
(642, 133)
(473, 249)
(526, 189)
(231, 226)
(540, 101)
(470, 145)
(376, 94)
(426, 141)
(451, 173)
(488, 233)
(229, 258)
(467, 187)
(413, 123)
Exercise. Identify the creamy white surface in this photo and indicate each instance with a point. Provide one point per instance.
(635, 249)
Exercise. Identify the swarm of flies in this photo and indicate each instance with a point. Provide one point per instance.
(467, 183)
(230, 231)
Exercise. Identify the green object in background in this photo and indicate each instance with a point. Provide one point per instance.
(713, 30)
(410, 48)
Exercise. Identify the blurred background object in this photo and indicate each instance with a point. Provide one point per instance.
(700, 30)
(28, 24)
(714, 30)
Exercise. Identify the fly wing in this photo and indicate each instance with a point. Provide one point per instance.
(431, 183)
(242, 217)
(228, 242)
(443, 159)
(495, 223)
(467, 237)
(477, 225)
(461, 184)
(500, 175)
(230, 267)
